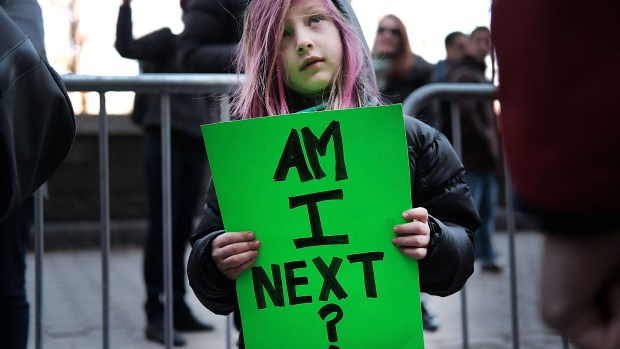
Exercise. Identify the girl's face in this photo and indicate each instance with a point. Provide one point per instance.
(311, 48)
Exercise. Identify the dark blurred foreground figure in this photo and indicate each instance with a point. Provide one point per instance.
(156, 53)
(37, 128)
(560, 122)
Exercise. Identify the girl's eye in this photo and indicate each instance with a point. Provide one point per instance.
(286, 33)
(315, 19)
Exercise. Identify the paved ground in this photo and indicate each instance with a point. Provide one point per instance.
(72, 304)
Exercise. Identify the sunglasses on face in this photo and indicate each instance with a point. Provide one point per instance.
(394, 32)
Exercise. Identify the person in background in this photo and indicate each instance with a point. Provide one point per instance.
(560, 124)
(480, 144)
(212, 30)
(456, 45)
(156, 53)
(399, 72)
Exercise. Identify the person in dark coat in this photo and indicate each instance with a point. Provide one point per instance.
(480, 144)
(16, 226)
(456, 46)
(212, 30)
(156, 53)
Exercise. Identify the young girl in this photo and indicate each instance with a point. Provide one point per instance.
(300, 54)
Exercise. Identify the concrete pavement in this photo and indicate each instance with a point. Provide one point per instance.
(72, 315)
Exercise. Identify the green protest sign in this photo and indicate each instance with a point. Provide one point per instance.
(322, 192)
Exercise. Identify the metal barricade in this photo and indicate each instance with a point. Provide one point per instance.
(145, 83)
(166, 84)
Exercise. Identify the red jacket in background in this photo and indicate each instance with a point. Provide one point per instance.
(559, 70)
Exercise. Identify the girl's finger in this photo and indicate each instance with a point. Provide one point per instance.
(237, 260)
(233, 273)
(415, 253)
(416, 227)
(418, 213)
(222, 253)
(411, 241)
(231, 238)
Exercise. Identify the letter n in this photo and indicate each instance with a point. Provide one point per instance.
(261, 283)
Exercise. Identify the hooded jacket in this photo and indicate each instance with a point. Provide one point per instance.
(437, 184)
(156, 53)
(212, 30)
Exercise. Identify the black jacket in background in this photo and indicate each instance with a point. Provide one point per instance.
(156, 53)
(212, 32)
(397, 89)
(479, 134)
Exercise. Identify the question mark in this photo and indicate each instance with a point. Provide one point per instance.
(327, 309)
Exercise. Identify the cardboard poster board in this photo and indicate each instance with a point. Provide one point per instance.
(321, 191)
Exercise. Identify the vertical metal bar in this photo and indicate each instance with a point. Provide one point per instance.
(510, 223)
(229, 320)
(225, 116)
(455, 120)
(104, 192)
(38, 261)
(167, 218)
(224, 107)
(224, 100)
(565, 342)
(464, 325)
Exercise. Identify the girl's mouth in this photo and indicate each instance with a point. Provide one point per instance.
(310, 62)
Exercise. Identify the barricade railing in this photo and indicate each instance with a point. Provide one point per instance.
(166, 84)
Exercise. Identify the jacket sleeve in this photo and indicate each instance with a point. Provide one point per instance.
(211, 287)
(150, 46)
(438, 184)
(203, 44)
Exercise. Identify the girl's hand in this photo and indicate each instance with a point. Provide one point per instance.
(233, 253)
(412, 238)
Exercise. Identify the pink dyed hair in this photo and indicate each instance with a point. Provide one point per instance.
(264, 92)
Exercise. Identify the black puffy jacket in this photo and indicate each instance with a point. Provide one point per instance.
(437, 184)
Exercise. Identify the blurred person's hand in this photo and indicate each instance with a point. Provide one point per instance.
(233, 253)
(580, 288)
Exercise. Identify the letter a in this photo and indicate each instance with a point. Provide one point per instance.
(292, 156)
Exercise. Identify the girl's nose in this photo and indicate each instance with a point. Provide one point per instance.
(303, 46)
